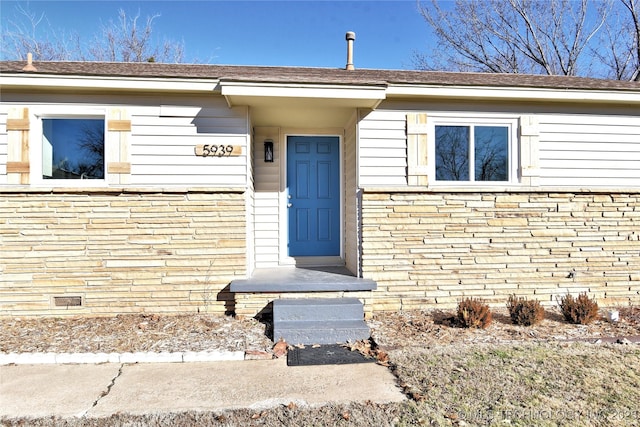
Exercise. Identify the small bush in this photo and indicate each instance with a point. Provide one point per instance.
(473, 313)
(581, 310)
(525, 312)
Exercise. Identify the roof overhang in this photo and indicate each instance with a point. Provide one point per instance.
(336, 95)
(301, 104)
(514, 94)
(118, 83)
(259, 94)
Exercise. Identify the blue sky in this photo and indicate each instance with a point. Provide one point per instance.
(292, 33)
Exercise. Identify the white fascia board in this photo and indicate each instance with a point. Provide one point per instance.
(374, 93)
(157, 84)
(514, 93)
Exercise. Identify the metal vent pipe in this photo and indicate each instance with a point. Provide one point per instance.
(351, 36)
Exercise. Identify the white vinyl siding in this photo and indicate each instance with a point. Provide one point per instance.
(164, 133)
(267, 224)
(383, 149)
(266, 210)
(4, 147)
(163, 140)
(589, 150)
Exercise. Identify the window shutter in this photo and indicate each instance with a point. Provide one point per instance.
(529, 154)
(417, 170)
(18, 146)
(117, 146)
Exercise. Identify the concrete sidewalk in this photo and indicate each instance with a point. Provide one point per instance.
(105, 389)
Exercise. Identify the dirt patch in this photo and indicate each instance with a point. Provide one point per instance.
(432, 327)
(199, 332)
(131, 333)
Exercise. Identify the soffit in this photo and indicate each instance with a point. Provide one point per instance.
(301, 105)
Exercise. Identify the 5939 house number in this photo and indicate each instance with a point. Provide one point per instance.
(218, 150)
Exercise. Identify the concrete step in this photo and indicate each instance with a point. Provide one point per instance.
(319, 320)
(291, 280)
(321, 332)
(317, 309)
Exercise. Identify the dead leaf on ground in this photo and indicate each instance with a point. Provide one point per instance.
(280, 349)
(383, 358)
(362, 346)
(418, 397)
(452, 416)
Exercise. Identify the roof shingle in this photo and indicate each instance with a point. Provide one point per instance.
(310, 75)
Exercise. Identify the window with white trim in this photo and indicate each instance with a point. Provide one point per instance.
(474, 151)
(69, 146)
(73, 148)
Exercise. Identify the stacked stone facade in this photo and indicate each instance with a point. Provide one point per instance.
(120, 251)
(177, 251)
(433, 249)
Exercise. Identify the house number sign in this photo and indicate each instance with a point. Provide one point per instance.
(218, 150)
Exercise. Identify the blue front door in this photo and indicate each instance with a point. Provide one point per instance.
(313, 183)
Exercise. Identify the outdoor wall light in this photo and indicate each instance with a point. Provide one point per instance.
(268, 150)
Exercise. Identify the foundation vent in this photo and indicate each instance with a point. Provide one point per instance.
(67, 301)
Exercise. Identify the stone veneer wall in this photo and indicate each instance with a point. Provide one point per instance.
(433, 249)
(121, 251)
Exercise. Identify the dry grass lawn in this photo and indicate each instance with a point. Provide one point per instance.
(552, 384)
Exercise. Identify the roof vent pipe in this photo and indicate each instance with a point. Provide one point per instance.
(29, 66)
(351, 36)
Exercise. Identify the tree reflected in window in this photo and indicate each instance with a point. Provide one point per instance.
(491, 149)
(452, 153)
(73, 148)
(472, 153)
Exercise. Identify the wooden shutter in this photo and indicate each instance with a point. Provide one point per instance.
(417, 166)
(529, 151)
(18, 146)
(117, 146)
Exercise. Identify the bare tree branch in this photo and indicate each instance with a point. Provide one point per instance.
(31, 32)
(554, 37)
(633, 6)
(123, 40)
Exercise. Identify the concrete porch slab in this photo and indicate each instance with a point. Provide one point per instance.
(302, 279)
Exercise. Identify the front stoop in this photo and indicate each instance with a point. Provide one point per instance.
(319, 320)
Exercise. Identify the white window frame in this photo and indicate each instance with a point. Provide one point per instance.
(35, 143)
(457, 119)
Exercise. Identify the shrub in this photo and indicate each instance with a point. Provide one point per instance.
(581, 310)
(524, 312)
(473, 313)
